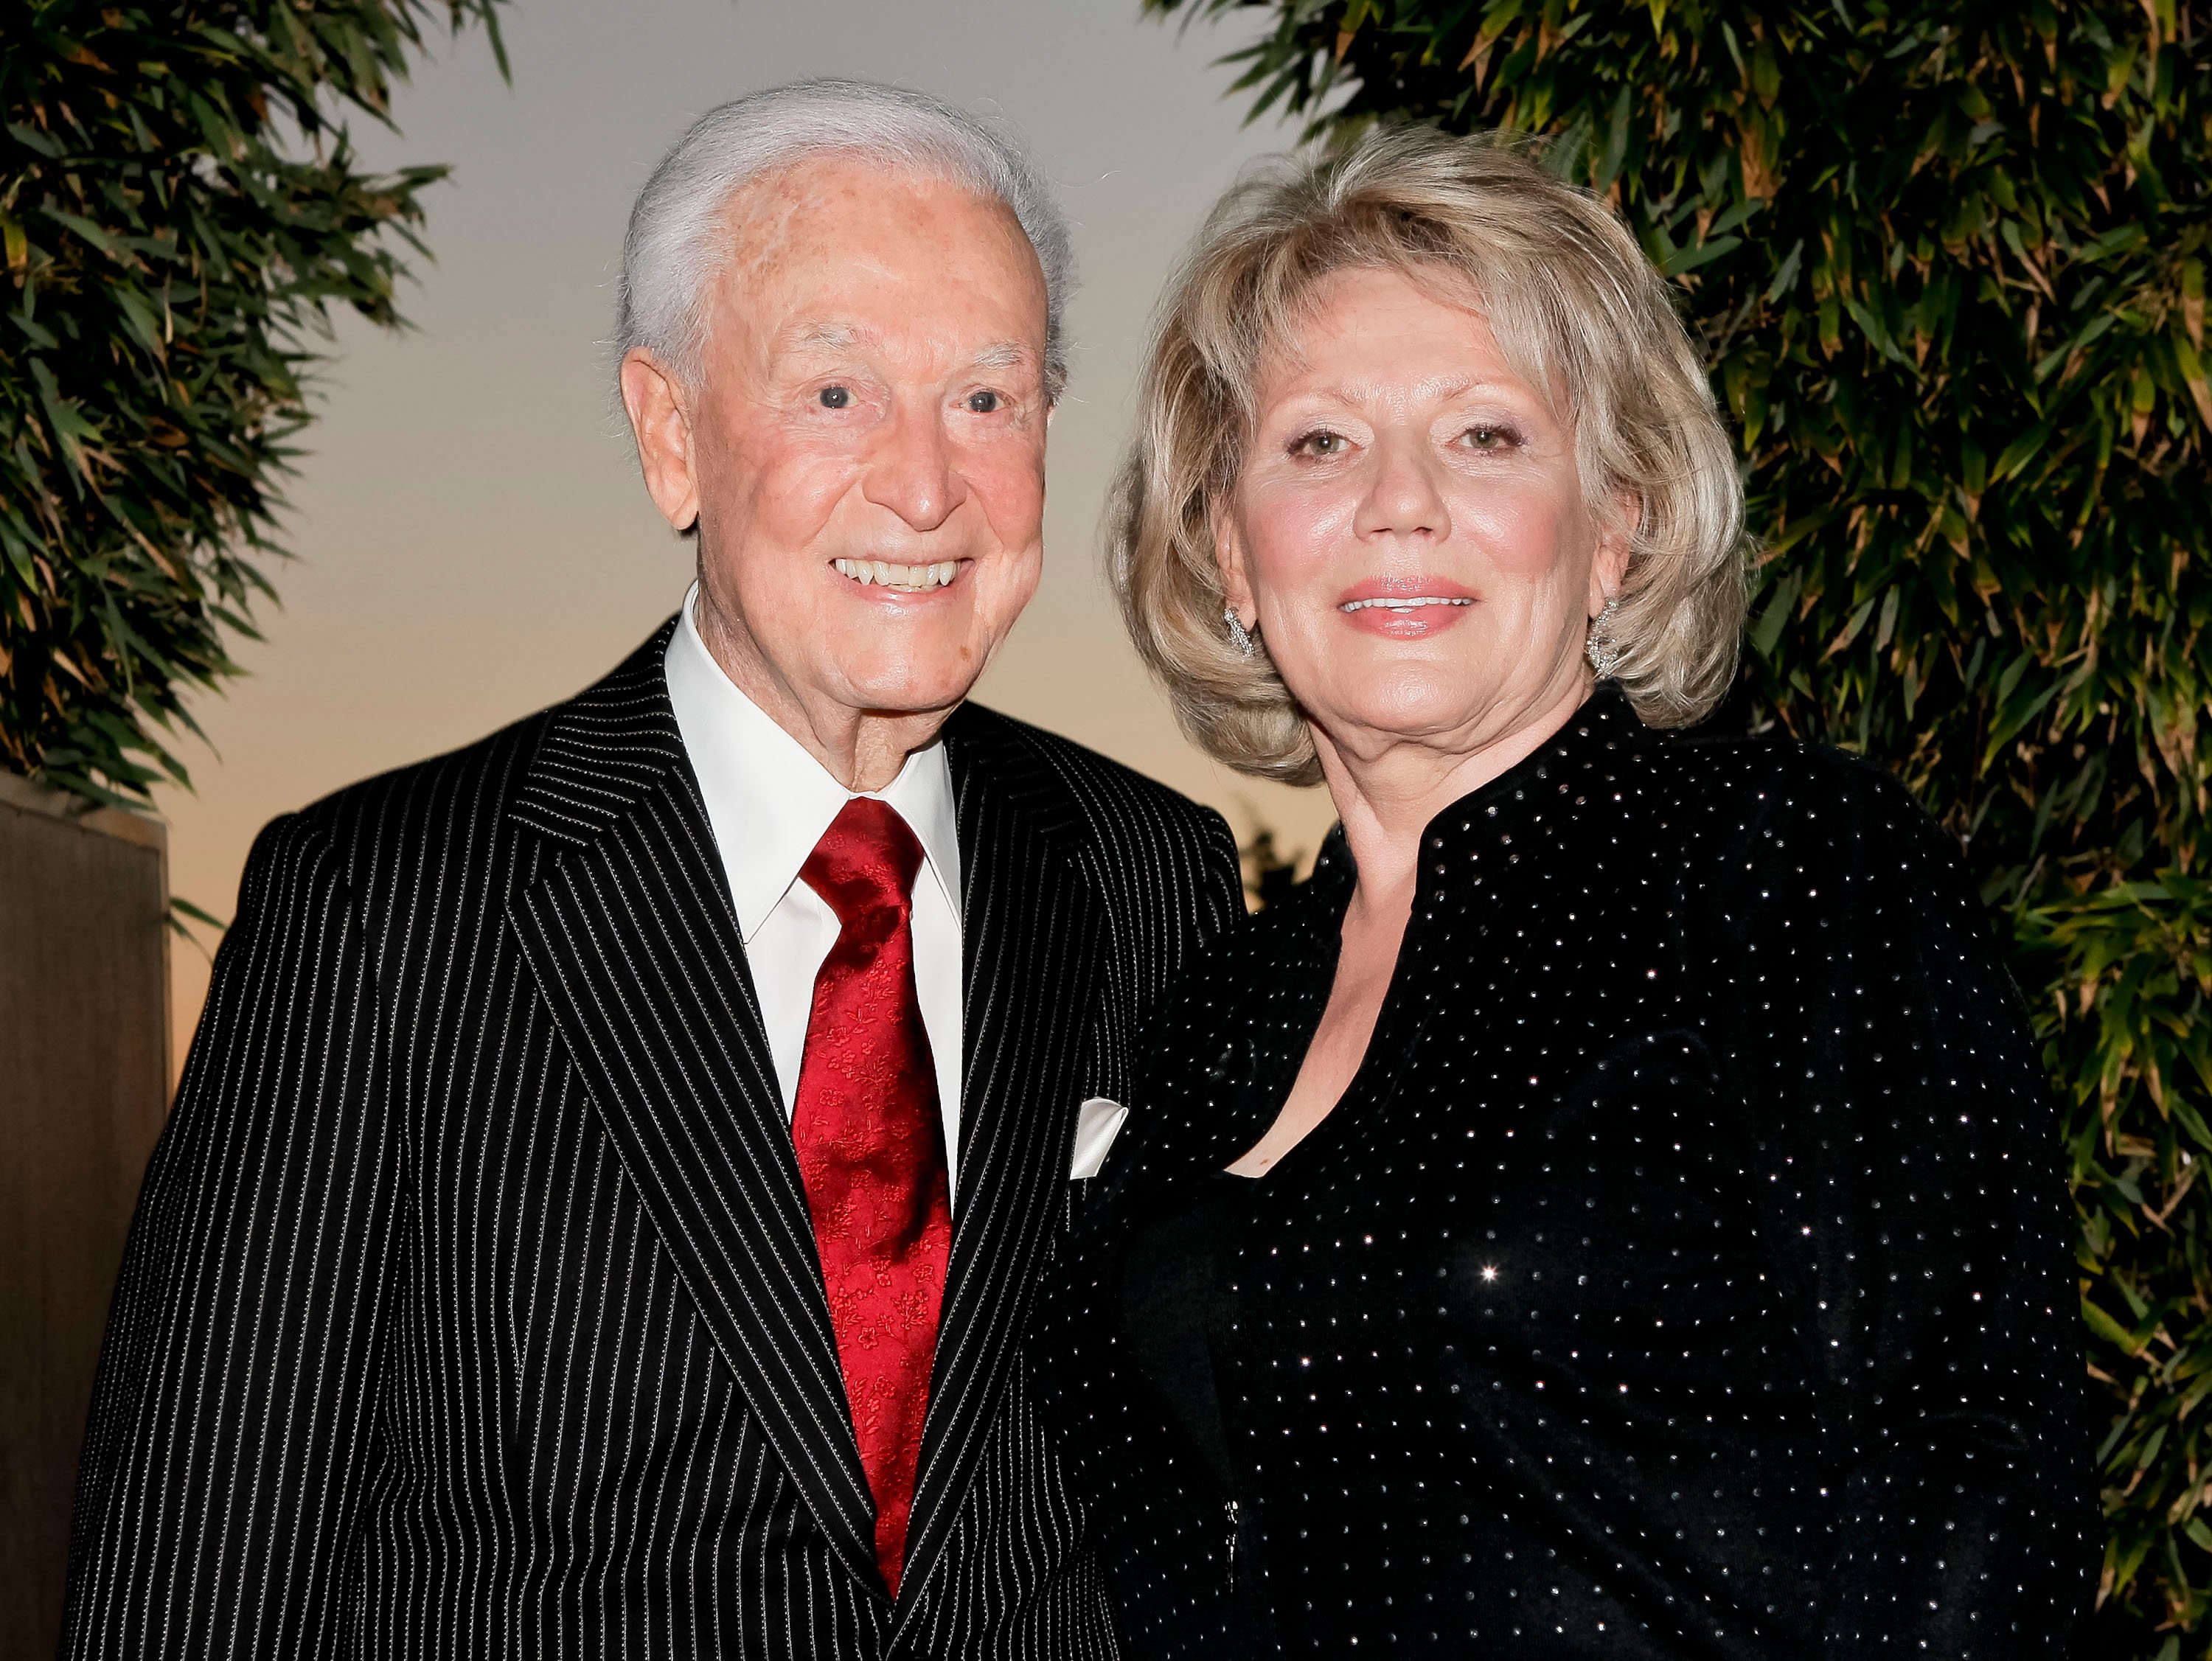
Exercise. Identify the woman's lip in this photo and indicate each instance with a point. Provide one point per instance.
(1410, 602)
(1405, 589)
(1412, 618)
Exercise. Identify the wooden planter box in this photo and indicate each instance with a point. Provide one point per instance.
(84, 1087)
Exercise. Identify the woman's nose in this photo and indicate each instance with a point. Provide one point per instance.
(1402, 497)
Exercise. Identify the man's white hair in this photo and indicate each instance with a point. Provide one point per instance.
(678, 244)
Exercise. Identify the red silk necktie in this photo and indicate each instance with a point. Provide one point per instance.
(872, 1149)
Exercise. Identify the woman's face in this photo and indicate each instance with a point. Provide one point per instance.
(1410, 531)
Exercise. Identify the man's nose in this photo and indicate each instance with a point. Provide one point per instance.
(913, 473)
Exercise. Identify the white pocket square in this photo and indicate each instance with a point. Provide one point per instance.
(1097, 1122)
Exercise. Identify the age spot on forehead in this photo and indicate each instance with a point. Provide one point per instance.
(761, 216)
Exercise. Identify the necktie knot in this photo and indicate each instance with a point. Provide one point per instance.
(864, 866)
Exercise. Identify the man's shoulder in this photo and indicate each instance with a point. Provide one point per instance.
(443, 801)
(1164, 867)
(1108, 798)
(450, 804)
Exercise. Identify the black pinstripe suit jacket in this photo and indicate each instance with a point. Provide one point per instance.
(472, 1308)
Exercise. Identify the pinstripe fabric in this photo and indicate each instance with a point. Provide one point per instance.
(471, 1307)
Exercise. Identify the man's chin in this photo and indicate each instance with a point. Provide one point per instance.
(915, 696)
(908, 706)
(915, 675)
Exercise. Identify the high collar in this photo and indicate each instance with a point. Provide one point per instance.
(1599, 747)
(770, 801)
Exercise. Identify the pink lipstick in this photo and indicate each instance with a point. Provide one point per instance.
(1408, 608)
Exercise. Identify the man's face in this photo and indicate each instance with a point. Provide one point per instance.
(863, 446)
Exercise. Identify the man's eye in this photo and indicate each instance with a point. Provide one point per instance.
(836, 398)
(983, 404)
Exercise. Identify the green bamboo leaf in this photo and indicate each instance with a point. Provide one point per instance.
(1684, 260)
(2021, 450)
(2106, 1328)
(78, 225)
(1767, 631)
(140, 319)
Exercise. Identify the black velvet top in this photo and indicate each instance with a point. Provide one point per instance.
(1681, 1275)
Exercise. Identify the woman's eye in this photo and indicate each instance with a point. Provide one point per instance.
(836, 398)
(1322, 443)
(1491, 437)
(983, 404)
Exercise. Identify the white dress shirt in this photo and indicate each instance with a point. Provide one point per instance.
(768, 802)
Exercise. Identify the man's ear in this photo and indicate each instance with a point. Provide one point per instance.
(661, 423)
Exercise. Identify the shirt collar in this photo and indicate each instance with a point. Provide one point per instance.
(770, 801)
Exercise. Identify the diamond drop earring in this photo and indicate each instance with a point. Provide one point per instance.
(1603, 650)
(1239, 636)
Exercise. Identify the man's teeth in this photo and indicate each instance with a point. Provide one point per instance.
(911, 577)
(1403, 605)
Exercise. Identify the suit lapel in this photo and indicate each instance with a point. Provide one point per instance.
(1031, 936)
(631, 934)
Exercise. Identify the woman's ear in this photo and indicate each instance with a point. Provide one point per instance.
(1616, 542)
(1229, 560)
(662, 426)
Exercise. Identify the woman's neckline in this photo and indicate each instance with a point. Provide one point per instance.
(1605, 715)
(1499, 805)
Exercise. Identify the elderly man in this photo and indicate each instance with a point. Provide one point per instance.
(606, 1187)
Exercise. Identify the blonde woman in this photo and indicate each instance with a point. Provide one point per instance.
(1612, 1210)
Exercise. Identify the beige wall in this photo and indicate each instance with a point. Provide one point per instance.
(83, 1089)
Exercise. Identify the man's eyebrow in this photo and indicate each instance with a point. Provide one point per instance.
(822, 336)
(1002, 354)
(827, 335)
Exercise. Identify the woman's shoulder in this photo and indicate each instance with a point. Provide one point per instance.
(1815, 835)
(1757, 797)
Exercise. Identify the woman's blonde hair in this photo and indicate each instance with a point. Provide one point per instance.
(1576, 308)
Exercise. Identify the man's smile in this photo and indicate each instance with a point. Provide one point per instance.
(902, 578)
